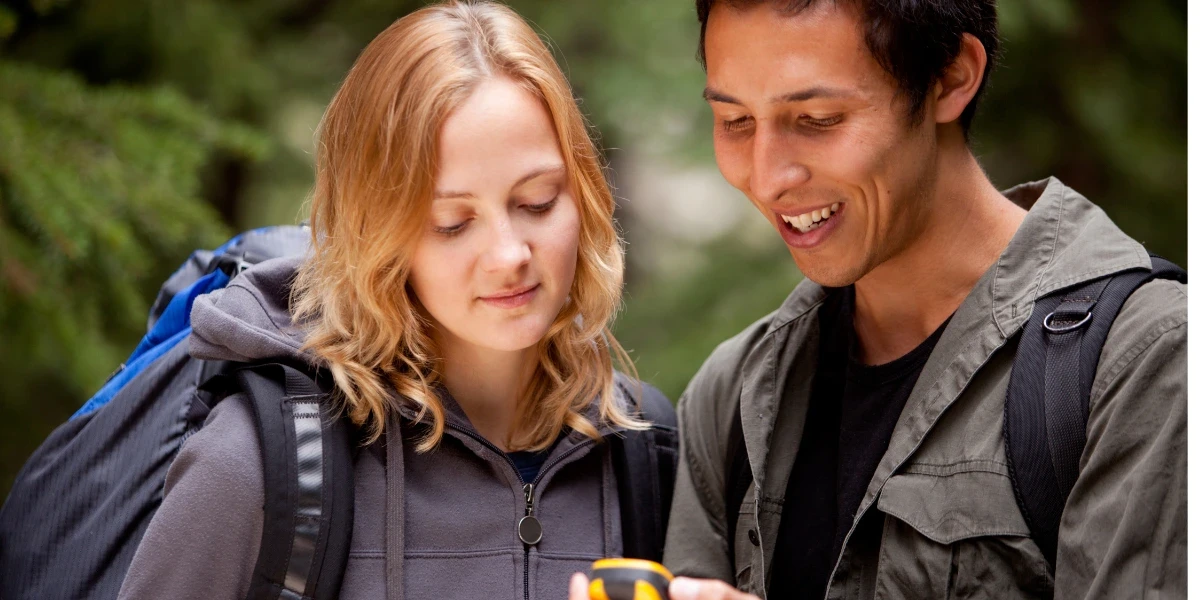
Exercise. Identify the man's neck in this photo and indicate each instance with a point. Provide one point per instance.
(487, 384)
(904, 300)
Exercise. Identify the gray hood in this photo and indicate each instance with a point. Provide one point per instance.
(249, 320)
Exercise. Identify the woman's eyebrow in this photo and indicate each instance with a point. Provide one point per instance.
(538, 172)
(526, 178)
(452, 195)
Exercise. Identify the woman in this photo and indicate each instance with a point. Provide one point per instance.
(464, 271)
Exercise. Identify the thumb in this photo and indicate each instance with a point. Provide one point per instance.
(686, 588)
(579, 587)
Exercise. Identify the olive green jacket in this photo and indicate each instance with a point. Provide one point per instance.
(952, 527)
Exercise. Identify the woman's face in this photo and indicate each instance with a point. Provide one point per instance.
(498, 255)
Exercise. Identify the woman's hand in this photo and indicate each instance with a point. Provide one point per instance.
(682, 588)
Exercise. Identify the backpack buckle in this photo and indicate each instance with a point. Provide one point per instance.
(1072, 326)
(232, 264)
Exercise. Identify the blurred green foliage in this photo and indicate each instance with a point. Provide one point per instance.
(1093, 93)
(98, 196)
(132, 131)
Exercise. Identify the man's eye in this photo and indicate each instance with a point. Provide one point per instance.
(820, 123)
(738, 124)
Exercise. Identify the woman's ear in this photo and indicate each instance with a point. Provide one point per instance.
(960, 83)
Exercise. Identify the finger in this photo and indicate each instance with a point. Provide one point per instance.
(686, 588)
(579, 587)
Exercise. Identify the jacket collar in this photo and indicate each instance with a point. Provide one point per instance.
(456, 418)
(1064, 240)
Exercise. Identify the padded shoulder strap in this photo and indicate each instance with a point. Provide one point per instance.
(645, 462)
(308, 477)
(653, 404)
(1049, 392)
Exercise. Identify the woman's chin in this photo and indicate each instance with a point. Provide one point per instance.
(514, 336)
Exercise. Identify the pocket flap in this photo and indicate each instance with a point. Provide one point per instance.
(948, 504)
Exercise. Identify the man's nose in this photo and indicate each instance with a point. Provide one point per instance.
(776, 166)
(507, 248)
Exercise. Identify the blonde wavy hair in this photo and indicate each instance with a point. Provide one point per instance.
(375, 171)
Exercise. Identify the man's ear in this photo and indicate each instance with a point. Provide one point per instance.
(960, 83)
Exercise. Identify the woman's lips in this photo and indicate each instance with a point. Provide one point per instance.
(513, 299)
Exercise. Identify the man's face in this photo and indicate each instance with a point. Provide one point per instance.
(810, 128)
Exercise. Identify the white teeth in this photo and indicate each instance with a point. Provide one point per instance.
(809, 221)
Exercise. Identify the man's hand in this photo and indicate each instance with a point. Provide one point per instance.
(682, 588)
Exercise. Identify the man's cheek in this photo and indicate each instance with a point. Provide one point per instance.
(733, 168)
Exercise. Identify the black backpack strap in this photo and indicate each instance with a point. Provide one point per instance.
(309, 487)
(644, 463)
(738, 479)
(1049, 392)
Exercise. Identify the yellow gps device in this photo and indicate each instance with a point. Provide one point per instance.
(628, 579)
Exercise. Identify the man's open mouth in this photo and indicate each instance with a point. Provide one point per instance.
(810, 221)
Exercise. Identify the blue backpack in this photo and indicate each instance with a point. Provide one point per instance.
(81, 504)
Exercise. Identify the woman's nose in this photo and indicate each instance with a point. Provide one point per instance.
(507, 249)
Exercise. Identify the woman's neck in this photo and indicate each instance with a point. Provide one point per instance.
(488, 384)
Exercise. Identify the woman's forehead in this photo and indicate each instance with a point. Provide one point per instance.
(500, 136)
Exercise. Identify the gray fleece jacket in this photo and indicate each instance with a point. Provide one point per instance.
(438, 525)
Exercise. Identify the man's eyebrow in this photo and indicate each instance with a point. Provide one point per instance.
(810, 93)
(712, 95)
(534, 174)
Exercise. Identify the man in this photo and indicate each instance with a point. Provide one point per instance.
(872, 401)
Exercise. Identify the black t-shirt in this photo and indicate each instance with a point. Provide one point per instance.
(852, 412)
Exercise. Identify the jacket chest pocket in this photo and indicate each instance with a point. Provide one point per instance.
(956, 532)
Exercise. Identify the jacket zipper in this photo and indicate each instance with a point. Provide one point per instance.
(528, 514)
(527, 488)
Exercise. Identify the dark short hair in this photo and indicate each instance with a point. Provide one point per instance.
(913, 40)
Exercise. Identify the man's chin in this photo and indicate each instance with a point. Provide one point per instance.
(826, 275)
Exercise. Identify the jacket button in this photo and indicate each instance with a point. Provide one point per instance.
(753, 534)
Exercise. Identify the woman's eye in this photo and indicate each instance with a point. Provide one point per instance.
(450, 230)
(541, 208)
(736, 125)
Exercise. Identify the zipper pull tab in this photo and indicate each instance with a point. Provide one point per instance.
(529, 529)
